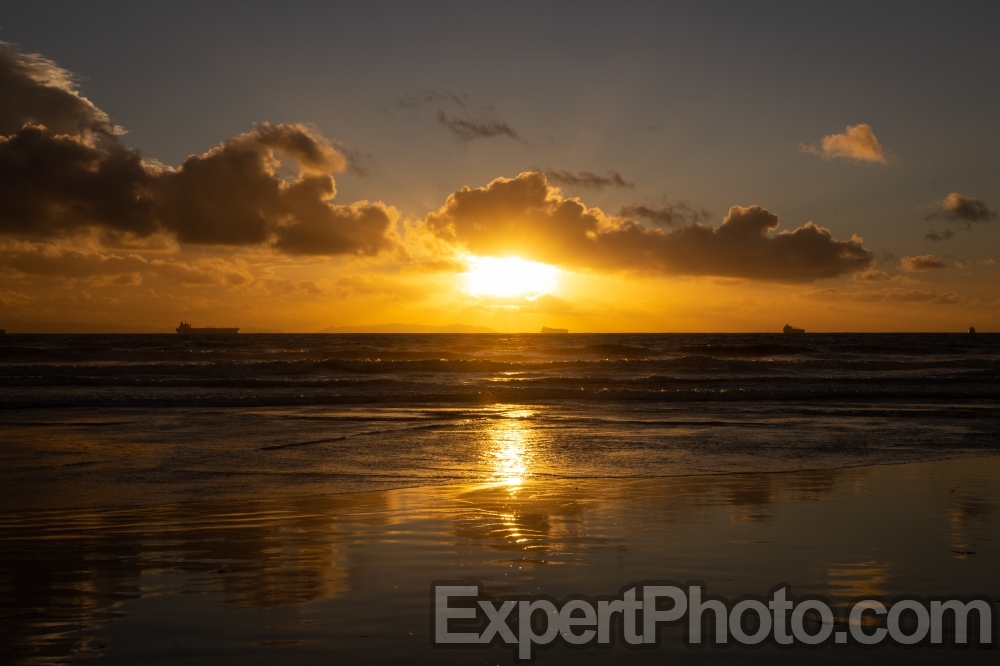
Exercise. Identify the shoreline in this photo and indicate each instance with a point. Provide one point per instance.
(533, 480)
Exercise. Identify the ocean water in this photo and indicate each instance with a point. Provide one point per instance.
(262, 499)
(119, 420)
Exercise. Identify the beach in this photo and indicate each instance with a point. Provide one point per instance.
(294, 579)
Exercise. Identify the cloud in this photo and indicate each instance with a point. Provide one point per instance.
(14, 298)
(525, 217)
(668, 215)
(959, 209)
(231, 195)
(892, 295)
(467, 129)
(52, 183)
(872, 275)
(857, 143)
(47, 260)
(968, 263)
(377, 285)
(37, 91)
(358, 163)
(63, 170)
(949, 298)
(939, 236)
(588, 180)
(460, 115)
(924, 262)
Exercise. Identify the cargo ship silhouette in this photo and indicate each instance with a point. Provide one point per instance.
(546, 329)
(792, 329)
(187, 329)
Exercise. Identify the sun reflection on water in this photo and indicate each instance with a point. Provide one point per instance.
(509, 448)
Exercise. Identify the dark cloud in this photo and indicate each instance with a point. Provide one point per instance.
(76, 175)
(414, 99)
(960, 209)
(459, 114)
(924, 262)
(37, 91)
(588, 180)
(939, 236)
(53, 183)
(668, 215)
(467, 129)
(232, 195)
(525, 217)
(358, 163)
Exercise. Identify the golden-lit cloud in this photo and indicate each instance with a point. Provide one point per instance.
(897, 295)
(923, 262)
(527, 218)
(378, 285)
(857, 142)
(20, 259)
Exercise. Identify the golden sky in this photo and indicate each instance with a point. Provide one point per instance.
(252, 232)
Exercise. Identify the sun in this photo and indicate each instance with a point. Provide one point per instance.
(509, 277)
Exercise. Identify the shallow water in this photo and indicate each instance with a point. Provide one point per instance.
(96, 420)
(347, 577)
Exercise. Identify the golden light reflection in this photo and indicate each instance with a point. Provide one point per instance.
(508, 277)
(509, 448)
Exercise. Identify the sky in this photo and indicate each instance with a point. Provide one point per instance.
(703, 166)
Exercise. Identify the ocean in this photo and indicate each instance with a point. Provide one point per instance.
(123, 419)
(260, 499)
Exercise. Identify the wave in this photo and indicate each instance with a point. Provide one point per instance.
(60, 370)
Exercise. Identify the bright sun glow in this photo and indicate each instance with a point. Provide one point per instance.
(508, 277)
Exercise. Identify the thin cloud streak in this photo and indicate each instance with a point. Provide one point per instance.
(922, 263)
(459, 114)
(669, 215)
(467, 129)
(588, 180)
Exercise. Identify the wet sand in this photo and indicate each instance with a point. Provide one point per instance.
(346, 577)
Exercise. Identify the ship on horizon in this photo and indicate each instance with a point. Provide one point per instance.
(547, 330)
(187, 329)
(791, 329)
